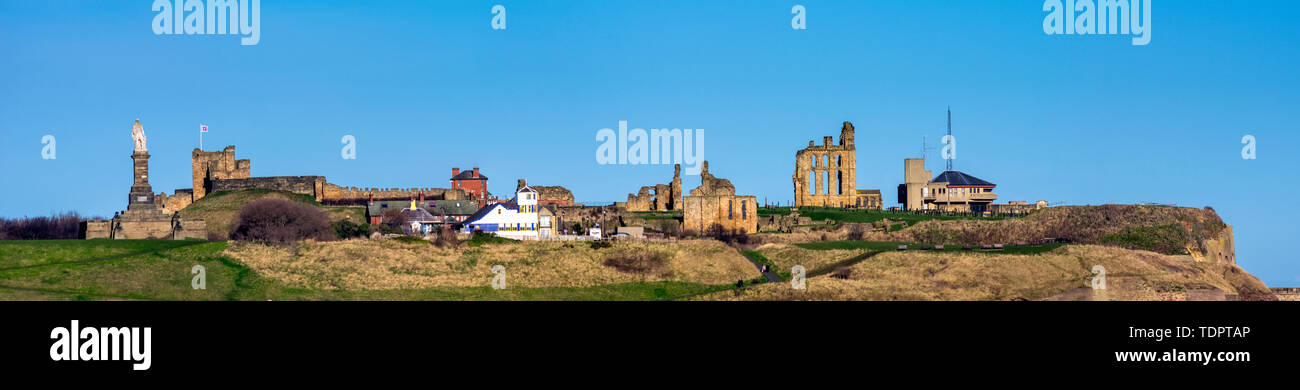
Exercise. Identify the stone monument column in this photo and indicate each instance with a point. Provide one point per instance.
(141, 196)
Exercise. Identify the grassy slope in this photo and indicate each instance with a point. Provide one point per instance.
(219, 209)
(166, 275)
(974, 275)
(819, 214)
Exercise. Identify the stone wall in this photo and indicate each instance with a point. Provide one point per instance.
(712, 185)
(208, 166)
(826, 175)
(337, 194)
(659, 197)
(176, 201)
(96, 229)
(555, 195)
(732, 212)
(306, 185)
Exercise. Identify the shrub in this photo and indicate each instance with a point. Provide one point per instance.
(346, 229)
(640, 262)
(57, 226)
(280, 221)
(601, 244)
(447, 237)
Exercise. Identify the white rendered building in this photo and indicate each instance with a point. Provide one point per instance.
(516, 218)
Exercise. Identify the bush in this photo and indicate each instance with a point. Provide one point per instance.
(280, 221)
(640, 262)
(447, 237)
(55, 227)
(601, 244)
(346, 229)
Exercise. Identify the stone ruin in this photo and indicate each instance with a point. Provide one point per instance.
(665, 197)
(712, 185)
(554, 195)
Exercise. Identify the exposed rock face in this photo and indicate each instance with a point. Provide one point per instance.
(660, 197)
(555, 195)
(1217, 250)
(711, 185)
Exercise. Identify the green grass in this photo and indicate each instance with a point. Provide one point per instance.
(483, 239)
(166, 275)
(29, 253)
(891, 246)
(863, 216)
(763, 260)
(1170, 239)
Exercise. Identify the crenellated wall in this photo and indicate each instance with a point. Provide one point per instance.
(306, 185)
(336, 194)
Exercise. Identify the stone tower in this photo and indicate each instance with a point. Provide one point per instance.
(846, 134)
(826, 175)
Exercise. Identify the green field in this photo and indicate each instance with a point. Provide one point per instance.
(819, 214)
(161, 270)
(890, 246)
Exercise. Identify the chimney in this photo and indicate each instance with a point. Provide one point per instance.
(475, 172)
(372, 198)
(455, 171)
(422, 198)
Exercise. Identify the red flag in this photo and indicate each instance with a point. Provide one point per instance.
(203, 128)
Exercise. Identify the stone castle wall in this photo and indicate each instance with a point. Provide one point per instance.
(306, 185)
(209, 166)
(659, 197)
(338, 194)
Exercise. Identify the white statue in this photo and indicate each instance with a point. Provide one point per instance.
(137, 134)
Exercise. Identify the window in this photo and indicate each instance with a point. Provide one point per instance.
(814, 160)
(812, 183)
(744, 210)
(827, 190)
(729, 216)
(839, 182)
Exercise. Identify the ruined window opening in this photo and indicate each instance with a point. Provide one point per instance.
(744, 210)
(827, 190)
(729, 216)
(839, 182)
(812, 183)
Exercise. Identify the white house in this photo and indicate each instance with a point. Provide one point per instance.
(516, 218)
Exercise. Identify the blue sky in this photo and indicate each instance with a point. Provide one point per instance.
(425, 86)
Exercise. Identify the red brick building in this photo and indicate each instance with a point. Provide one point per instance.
(471, 181)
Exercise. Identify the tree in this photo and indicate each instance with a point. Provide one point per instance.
(280, 221)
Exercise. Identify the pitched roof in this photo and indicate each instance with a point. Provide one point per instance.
(418, 215)
(958, 178)
(526, 189)
(468, 175)
(480, 213)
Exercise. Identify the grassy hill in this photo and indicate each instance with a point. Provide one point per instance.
(355, 270)
(219, 209)
(1062, 273)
